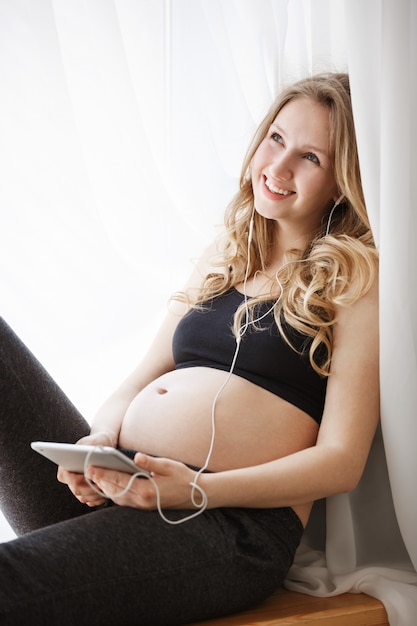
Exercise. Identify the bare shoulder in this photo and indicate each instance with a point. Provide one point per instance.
(360, 319)
(356, 337)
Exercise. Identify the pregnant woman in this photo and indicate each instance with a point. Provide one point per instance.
(258, 396)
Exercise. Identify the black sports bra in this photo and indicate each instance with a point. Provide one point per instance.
(204, 338)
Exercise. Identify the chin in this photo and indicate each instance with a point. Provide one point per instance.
(269, 214)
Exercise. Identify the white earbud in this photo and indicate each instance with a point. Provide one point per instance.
(250, 231)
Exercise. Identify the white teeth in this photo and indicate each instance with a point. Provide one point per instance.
(282, 192)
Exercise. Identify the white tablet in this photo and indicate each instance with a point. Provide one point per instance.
(72, 456)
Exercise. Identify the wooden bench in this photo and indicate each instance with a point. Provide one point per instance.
(285, 608)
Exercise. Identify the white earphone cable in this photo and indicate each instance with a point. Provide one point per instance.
(201, 506)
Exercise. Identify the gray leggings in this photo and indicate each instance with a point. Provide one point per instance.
(114, 565)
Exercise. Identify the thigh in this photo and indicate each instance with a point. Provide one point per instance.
(32, 407)
(123, 566)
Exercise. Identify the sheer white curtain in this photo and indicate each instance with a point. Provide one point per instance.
(366, 549)
(123, 126)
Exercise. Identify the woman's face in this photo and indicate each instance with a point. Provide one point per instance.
(292, 173)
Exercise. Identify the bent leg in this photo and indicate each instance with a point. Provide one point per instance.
(124, 566)
(32, 407)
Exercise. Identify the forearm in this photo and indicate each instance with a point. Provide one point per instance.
(299, 478)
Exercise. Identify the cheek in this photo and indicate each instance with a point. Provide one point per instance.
(261, 156)
(257, 166)
(320, 186)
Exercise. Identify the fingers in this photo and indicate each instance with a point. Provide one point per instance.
(90, 499)
(80, 488)
(123, 488)
(168, 487)
(76, 482)
(156, 466)
(85, 494)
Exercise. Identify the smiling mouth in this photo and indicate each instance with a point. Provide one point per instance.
(277, 190)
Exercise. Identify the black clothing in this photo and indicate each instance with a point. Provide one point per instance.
(114, 565)
(204, 338)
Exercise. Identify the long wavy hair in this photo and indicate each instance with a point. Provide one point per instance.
(338, 266)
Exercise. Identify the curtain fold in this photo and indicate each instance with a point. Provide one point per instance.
(371, 533)
(123, 126)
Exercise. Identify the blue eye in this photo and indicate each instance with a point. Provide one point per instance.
(312, 157)
(276, 137)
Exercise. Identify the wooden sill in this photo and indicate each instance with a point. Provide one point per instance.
(286, 608)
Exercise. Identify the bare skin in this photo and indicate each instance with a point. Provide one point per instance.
(278, 427)
(267, 452)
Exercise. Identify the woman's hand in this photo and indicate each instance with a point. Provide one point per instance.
(76, 482)
(171, 477)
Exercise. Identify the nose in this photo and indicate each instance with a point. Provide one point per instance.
(281, 167)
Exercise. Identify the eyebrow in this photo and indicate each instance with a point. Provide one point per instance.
(304, 147)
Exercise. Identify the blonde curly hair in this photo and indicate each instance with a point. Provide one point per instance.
(339, 264)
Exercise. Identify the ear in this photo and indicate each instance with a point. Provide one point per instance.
(338, 200)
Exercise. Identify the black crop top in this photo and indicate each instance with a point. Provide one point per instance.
(204, 338)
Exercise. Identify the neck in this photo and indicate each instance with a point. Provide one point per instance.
(290, 240)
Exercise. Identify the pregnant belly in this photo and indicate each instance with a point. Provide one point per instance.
(172, 417)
